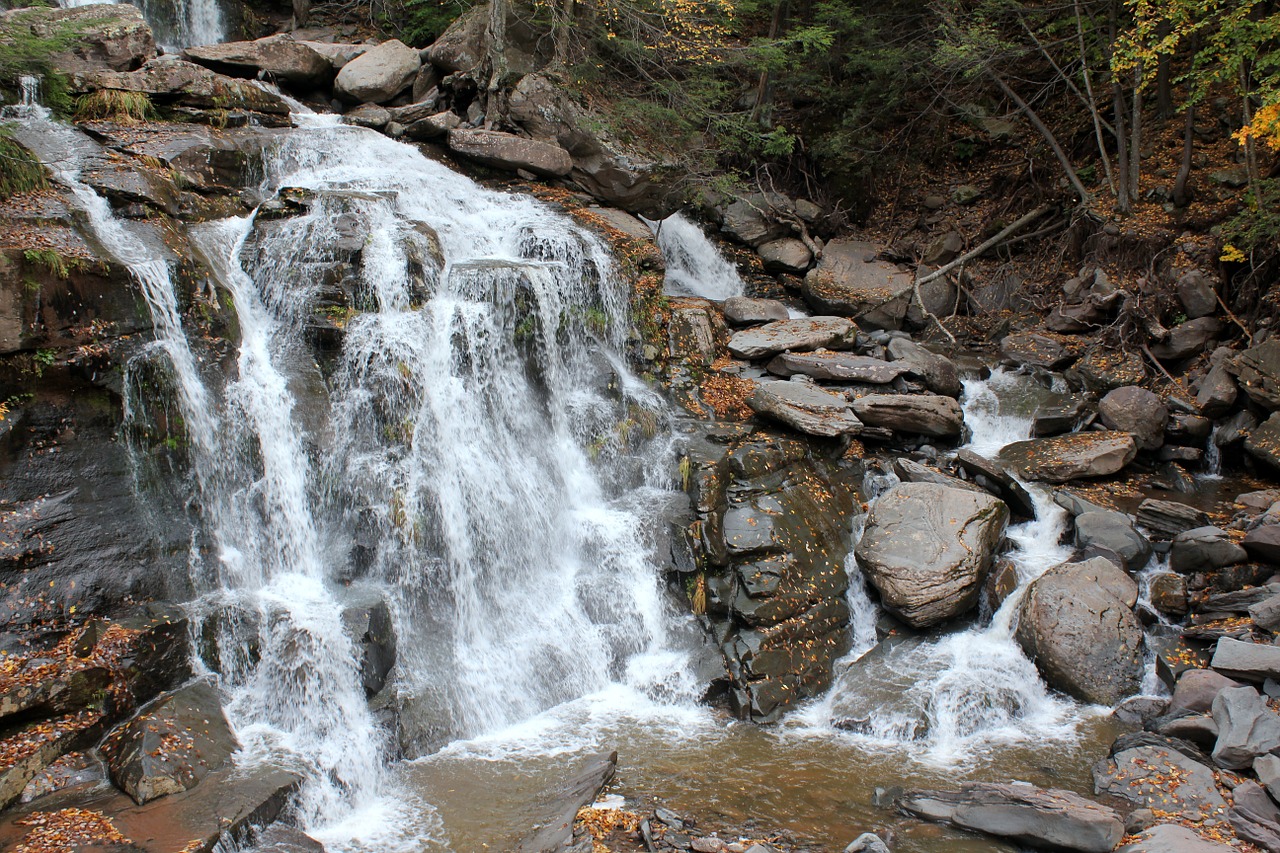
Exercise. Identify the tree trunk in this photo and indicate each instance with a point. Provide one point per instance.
(301, 13)
(762, 110)
(1181, 190)
(1164, 79)
(1124, 206)
(563, 29)
(1022, 105)
(496, 36)
(1135, 145)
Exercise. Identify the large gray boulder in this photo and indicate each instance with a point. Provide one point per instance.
(1137, 411)
(756, 219)
(1172, 838)
(805, 408)
(100, 37)
(171, 746)
(1187, 339)
(279, 57)
(995, 478)
(1196, 690)
(1196, 292)
(927, 549)
(807, 333)
(850, 282)
(1077, 627)
(1070, 457)
(1255, 816)
(1258, 369)
(378, 75)
(461, 47)
(1050, 819)
(1204, 549)
(787, 255)
(1247, 728)
(510, 152)
(837, 366)
(1112, 533)
(1217, 393)
(920, 414)
(937, 372)
(1263, 543)
(746, 311)
(1263, 443)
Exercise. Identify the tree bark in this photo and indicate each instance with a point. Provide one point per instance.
(1181, 190)
(1135, 144)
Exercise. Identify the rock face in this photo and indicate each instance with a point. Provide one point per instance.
(769, 536)
(172, 746)
(105, 37)
(581, 789)
(278, 57)
(1258, 370)
(805, 408)
(378, 75)
(1070, 457)
(1138, 412)
(849, 282)
(1082, 635)
(804, 334)
(927, 548)
(920, 414)
(511, 152)
(1052, 819)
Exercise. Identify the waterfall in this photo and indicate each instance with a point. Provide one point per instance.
(175, 23)
(476, 456)
(695, 266)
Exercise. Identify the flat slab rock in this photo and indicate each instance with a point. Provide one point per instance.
(1172, 838)
(1246, 661)
(805, 408)
(838, 366)
(802, 334)
(747, 311)
(1070, 457)
(921, 414)
(1159, 777)
(1023, 813)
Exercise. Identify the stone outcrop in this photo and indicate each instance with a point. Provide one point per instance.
(1258, 371)
(837, 367)
(99, 37)
(1138, 412)
(920, 414)
(188, 89)
(927, 549)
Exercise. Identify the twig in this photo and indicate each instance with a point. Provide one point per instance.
(1233, 317)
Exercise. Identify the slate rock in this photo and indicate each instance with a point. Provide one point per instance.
(1258, 371)
(1070, 457)
(805, 408)
(1166, 519)
(1108, 533)
(1172, 838)
(1204, 549)
(1263, 543)
(837, 366)
(937, 372)
(1246, 661)
(1247, 728)
(1141, 775)
(746, 311)
(803, 334)
(921, 414)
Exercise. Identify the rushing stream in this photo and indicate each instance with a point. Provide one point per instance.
(478, 460)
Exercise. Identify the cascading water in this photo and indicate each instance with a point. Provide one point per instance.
(949, 698)
(694, 266)
(178, 24)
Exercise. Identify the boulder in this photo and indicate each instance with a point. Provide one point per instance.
(1197, 294)
(99, 37)
(1105, 369)
(1266, 614)
(837, 366)
(1141, 774)
(1050, 818)
(1168, 593)
(1246, 661)
(1070, 457)
(1258, 371)
(1081, 635)
(1217, 392)
(1263, 543)
(609, 169)
(1172, 838)
(1255, 817)
(787, 255)
(276, 57)
(1138, 412)
(1037, 350)
(914, 472)
(367, 115)
(943, 249)
(808, 333)
(510, 152)
(1166, 519)
(745, 311)
(1263, 442)
(756, 219)
(1204, 549)
(927, 548)
(1187, 339)
(1247, 728)
(937, 372)
(848, 281)
(433, 126)
(1112, 533)
(337, 54)
(1268, 769)
(691, 337)
(805, 408)
(997, 479)
(171, 746)
(461, 47)
(378, 75)
(920, 414)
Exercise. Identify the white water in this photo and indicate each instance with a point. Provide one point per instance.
(695, 266)
(949, 699)
(177, 24)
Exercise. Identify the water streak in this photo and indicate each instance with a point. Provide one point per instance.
(695, 266)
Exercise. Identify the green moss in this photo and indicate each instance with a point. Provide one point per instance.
(22, 52)
(20, 171)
